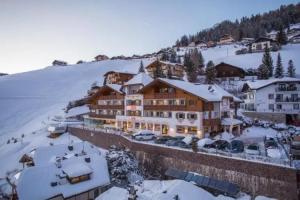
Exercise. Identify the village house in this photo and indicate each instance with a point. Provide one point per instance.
(229, 73)
(261, 43)
(168, 69)
(114, 77)
(74, 171)
(101, 57)
(273, 99)
(211, 44)
(201, 44)
(295, 38)
(226, 39)
(272, 35)
(164, 106)
(59, 63)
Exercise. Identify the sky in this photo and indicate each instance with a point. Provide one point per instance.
(33, 33)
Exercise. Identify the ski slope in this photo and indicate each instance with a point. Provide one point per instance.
(27, 99)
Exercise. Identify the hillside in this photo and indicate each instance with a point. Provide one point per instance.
(26, 99)
(226, 53)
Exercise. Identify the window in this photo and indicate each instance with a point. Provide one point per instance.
(296, 106)
(206, 114)
(271, 106)
(180, 116)
(96, 193)
(192, 116)
(279, 106)
(271, 96)
(192, 130)
(171, 102)
(180, 129)
(150, 126)
(181, 101)
(157, 127)
(143, 126)
(137, 125)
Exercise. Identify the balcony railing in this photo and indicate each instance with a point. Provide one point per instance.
(102, 116)
(165, 107)
(292, 100)
(211, 122)
(115, 107)
(163, 95)
(286, 89)
(110, 97)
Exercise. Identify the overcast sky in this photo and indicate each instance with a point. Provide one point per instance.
(35, 32)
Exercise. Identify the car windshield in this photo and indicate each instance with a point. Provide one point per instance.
(253, 147)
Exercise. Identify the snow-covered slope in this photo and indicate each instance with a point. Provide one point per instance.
(226, 53)
(26, 99)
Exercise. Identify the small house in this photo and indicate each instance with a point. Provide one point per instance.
(226, 39)
(59, 63)
(228, 72)
(101, 57)
(115, 77)
(261, 43)
(168, 69)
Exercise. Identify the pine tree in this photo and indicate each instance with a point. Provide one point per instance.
(281, 36)
(267, 61)
(201, 65)
(210, 72)
(141, 69)
(191, 71)
(173, 57)
(279, 68)
(291, 69)
(263, 72)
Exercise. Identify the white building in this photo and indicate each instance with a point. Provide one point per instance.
(273, 96)
(77, 171)
(261, 43)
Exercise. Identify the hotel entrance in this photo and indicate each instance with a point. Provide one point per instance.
(164, 129)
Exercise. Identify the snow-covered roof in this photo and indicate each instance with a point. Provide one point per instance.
(46, 155)
(141, 78)
(204, 91)
(77, 169)
(115, 87)
(77, 111)
(257, 84)
(35, 182)
(114, 193)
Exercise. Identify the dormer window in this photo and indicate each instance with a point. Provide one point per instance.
(77, 173)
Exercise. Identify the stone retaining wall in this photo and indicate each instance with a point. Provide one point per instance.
(253, 177)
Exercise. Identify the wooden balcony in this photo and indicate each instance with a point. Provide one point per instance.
(162, 96)
(110, 97)
(101, 116)
(211, 122)
(166, 107)
(110, 107)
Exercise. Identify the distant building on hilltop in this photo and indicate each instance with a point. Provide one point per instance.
(101, 57)
(261, 43)
(59, 63)
(115, 77)
(226, 39)
(168, 69)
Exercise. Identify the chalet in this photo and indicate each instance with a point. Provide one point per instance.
(201, 44)
(261, 43)
(75, 171)
(211, 44)
(113, 77)
(226, 39)
(59, 63)
(272, 35)
(175, 107)
(246, 41)
(276, 100)
(101, 57)
(104, 105)
(229, 73)
(171, 70)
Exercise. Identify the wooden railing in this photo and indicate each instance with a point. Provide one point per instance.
(102, 116)
(115, 107)
(166, 107)
(211, 122)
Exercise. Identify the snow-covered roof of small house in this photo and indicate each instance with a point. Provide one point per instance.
(114, 193)
(257, 84)
(46, 155)
(44, 182)
(77, 111)
(77, 169)
(204, 91)
(141, 78)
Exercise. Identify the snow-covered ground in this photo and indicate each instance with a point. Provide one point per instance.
(226, 53)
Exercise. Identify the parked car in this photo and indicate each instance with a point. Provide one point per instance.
(177, 142)
(253, 149)
(237, 146)
(162, 139)
(271, 143)
(219, 144)
(144, 135)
